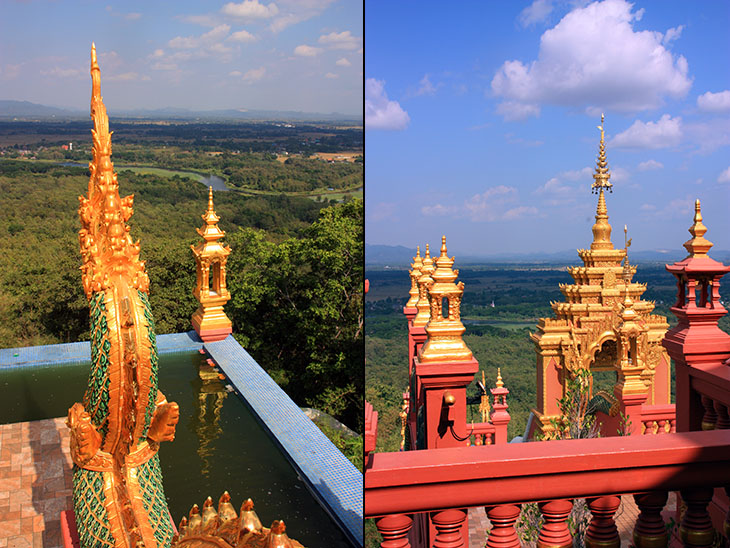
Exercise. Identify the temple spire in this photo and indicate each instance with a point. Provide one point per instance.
(698, 246)
(601, 181)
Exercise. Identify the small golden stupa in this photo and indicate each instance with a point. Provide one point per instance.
(585, 332)
(445, 330)
(209, 320)
(414, 274)
(423, 306)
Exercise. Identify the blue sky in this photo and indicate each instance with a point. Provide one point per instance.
(281, 55)
(481, 122)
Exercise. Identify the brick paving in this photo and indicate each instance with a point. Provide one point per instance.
(35, 483)
(625, 519)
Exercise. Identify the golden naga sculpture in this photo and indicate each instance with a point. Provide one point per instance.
(445, 330)
(116, 432)
(209, 320)
(118, 496)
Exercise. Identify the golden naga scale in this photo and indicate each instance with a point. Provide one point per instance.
(118, 495)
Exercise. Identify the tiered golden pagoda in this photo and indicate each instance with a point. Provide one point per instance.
(415, 274)
(445, 330)
(584, 332)
(209, 320)
(424, 308)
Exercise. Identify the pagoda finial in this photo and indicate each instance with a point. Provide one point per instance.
(210, 198)
(601, 229)
(602, 176)
(499, 383)
(698, 246)
(414, 274)
(424, 279)
(443, 246)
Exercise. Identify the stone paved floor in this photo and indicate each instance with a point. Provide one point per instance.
(625, 519)
(35, 483)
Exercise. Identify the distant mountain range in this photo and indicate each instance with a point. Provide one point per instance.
(25, 109)
(401, 257)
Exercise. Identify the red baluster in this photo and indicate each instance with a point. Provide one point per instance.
(723, 421)
(661, 426)
(696, 527)
(672, 426)
(394, 529)
(710, 417)
(503, 533)
(602, 532)
(650, 531)
(554, 532)
(448, 528)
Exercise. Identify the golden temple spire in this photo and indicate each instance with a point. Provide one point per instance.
(698, 246)
(444, 328)
(209, 320)
(499, 383)
(601, 228)
(109, 254)
(414, 274)
(602, 176)
(424, 279)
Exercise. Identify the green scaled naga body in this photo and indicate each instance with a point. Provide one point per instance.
(115, 434)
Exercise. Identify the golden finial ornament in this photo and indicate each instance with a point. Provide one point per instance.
(423, 306)
(444, 328)
(601, 181)
(414, 274)
(209, 320)
(698, 245)
(499, 382)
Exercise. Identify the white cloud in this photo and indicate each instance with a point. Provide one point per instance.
(665, 132)
(194, 42)
(714, 102)
(235, 73)
(650, 165)
(593, 58)
(343, 62)
(340, 40)
(250, 9)
(577, 174)
(241, 36)
(724, 176)
(158, 53)
(293, 12)
(425, 87)
(254, 75)
(126, 77)
(672, 34)
(61, 72)
(331, 75)
(537, 12)
(512, 110)
(380, 112)
(164, 66)
(491, 205)
(307, 51)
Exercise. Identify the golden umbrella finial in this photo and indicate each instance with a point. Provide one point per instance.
(698, 246)
(602, 176)
(601, 181)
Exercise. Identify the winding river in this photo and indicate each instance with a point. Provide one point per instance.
(206, 179)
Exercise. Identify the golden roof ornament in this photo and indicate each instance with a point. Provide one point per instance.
(107, 250)
(209, 320)
(424, 308)
(415, 273)
(698, 246)
(445, 343)
(499, 382)
(601, 181)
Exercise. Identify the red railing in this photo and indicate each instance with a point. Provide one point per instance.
(444, 482)
(658, 419)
